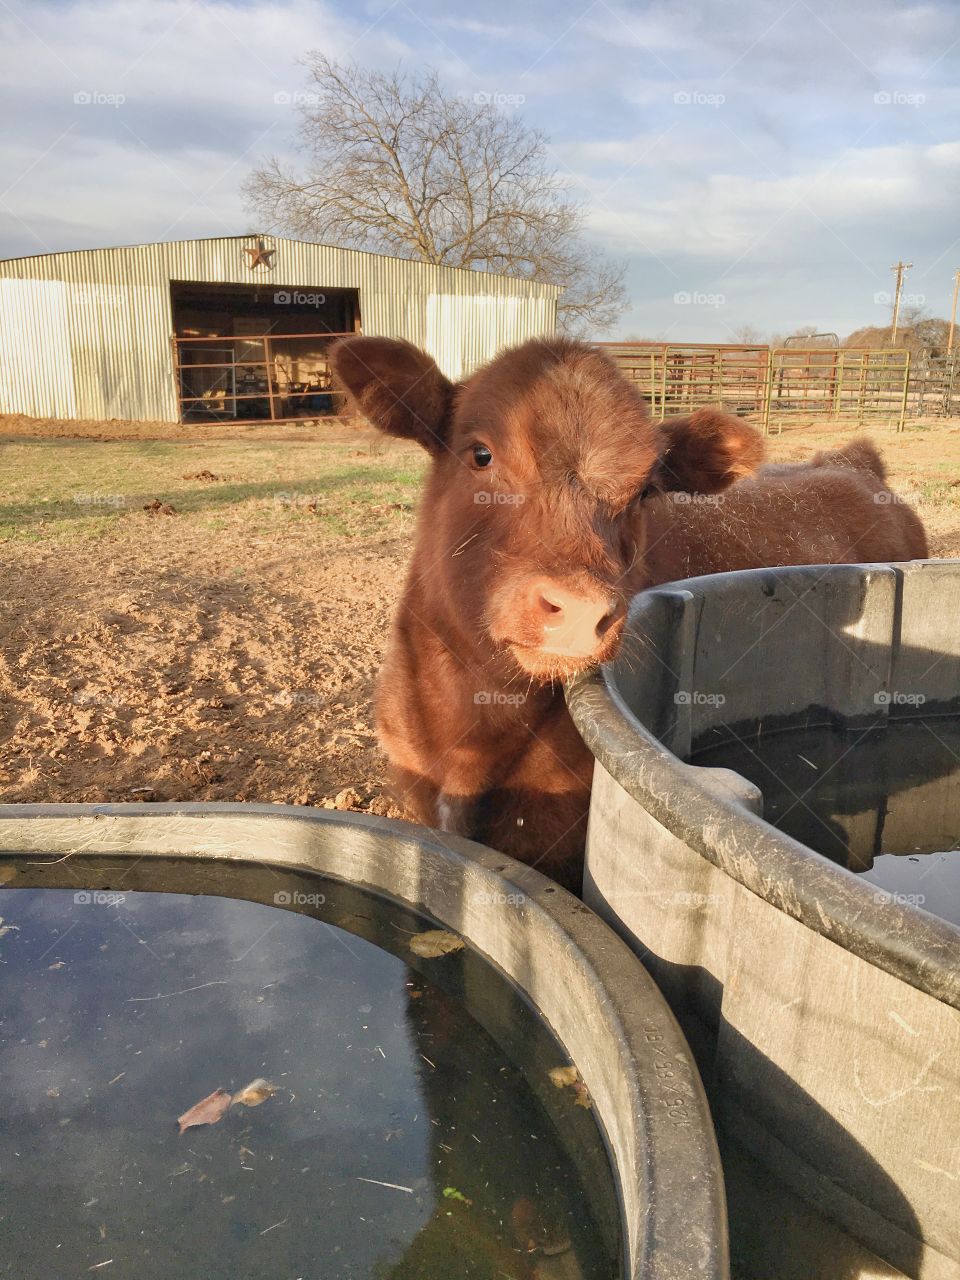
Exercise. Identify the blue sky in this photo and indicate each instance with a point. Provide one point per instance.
(761, 163)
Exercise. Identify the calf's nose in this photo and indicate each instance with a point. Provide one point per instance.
(573, 624)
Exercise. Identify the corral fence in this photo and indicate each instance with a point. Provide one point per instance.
(791, 385)
(678, 379)
(866, 388)
(935, 387)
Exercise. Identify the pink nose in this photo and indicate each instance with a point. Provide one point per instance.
(573, 624)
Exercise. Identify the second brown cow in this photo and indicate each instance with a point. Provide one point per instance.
(551, 499)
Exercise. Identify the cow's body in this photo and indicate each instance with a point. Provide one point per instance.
(582, 501)
(836, 509)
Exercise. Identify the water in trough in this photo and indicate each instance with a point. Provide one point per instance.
(408, 1129)
(883, 802)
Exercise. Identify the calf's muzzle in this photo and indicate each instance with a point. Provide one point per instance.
(573, 623)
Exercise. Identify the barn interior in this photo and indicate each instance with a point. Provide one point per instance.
(257, 352)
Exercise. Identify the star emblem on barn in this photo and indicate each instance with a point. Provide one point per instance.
(260, 256)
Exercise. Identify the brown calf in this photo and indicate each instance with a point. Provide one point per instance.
(551, 499)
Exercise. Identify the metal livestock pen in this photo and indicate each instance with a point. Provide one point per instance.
(776, 387)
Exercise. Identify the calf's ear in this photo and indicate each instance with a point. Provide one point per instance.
(707, 452)
(396, 386)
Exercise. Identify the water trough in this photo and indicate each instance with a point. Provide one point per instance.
(821, 994)
(578, 977)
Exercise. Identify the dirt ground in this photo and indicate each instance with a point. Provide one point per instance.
(17, 426)
(156, 671)
(225, 651)
(226, 648)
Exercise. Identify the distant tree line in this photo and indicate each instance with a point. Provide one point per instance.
(917, 332)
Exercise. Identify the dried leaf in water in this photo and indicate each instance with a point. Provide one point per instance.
(435, 943)
(563, 1076)
(569, 1078)
(254, 1093)
(208, 1111)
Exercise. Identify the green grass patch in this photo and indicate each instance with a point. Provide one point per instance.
(71, 490)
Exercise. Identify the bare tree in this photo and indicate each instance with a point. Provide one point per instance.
(394, 164)
(748, 335)
(918, 332)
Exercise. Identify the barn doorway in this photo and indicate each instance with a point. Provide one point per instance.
(257, 353)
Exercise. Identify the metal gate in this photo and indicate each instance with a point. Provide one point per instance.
(846, 385)
(678, 378)
(788, 385)
(734, 377)
(935, 387)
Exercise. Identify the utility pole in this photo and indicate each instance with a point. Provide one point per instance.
(953, 311)
(900, 268)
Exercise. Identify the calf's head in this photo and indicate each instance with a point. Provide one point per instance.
(543, 464)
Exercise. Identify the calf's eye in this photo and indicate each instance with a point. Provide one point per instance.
(482, 457)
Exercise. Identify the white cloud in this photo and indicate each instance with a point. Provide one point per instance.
(139, 120)
(142, 196)
(711, 214)
(228, 58)
(798, 186)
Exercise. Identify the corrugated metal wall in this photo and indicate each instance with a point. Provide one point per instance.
(87, 334)
(36, 364)
(463, 330)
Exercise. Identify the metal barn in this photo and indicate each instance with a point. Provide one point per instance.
(234, 328)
